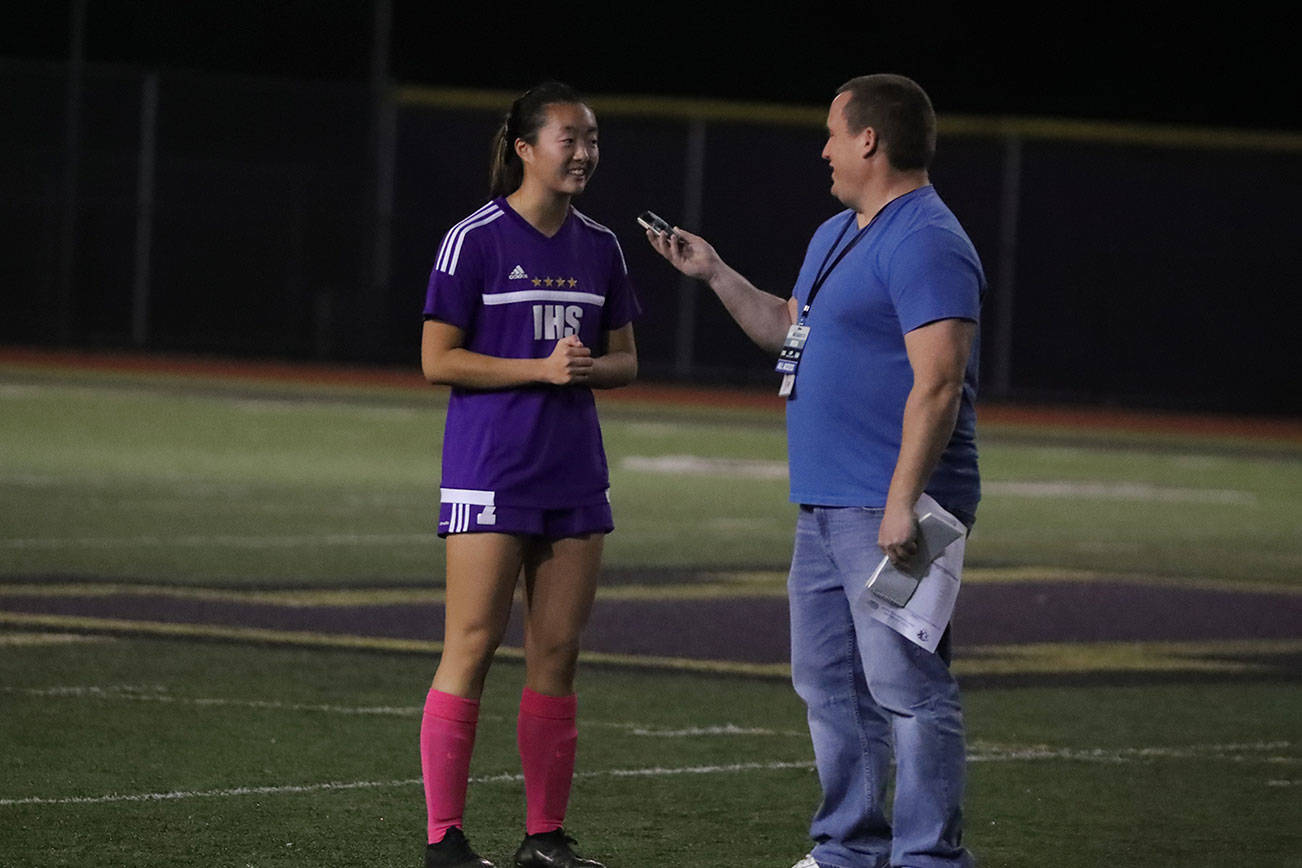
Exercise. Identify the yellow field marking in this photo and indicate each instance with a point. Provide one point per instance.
(1094, 657)
(986, 660)
(360, 597)
(813, 116)
(764, 582)
(1006, 575)
(1013, 575)
(215, 631)
(22, 639)
(300, 598)
(304, 638)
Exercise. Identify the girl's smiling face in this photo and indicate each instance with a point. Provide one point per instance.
(564, 154)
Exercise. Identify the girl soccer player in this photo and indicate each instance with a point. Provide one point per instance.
(529, 308)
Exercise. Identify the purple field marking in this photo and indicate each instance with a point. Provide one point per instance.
(754, 629)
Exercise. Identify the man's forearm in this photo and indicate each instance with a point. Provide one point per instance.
(763, 316)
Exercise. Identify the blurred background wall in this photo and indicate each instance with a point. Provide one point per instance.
(164, 210)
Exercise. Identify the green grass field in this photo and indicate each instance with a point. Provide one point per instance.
(158, 753)
(155, 479)
(119, 749)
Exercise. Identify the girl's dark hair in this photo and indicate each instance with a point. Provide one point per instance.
(527, 115)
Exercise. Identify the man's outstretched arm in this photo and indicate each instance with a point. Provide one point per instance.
(763, 316)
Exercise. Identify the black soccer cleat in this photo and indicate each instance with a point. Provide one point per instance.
(454, 852)
(551, 850)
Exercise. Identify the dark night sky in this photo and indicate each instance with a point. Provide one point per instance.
(1226, 66)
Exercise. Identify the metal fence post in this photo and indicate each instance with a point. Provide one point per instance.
(1010, 195)
(71, 170)
(383, 146)
(693, 206)
(146, 164)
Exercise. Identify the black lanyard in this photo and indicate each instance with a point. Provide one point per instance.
(825, 270)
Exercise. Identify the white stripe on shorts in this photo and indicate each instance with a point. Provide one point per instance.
(466, 495)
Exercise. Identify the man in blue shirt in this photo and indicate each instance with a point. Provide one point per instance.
(880, 410)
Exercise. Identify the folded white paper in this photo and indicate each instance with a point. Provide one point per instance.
(923, 618)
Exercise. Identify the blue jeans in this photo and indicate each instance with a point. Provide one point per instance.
(865, 688)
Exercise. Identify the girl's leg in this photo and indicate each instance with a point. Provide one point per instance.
(482, 571)
(560, 584)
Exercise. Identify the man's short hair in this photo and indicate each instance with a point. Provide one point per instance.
(900, 111)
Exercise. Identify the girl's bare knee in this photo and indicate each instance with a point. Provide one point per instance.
(551, 664)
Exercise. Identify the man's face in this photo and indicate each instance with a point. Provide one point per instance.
(844, 151)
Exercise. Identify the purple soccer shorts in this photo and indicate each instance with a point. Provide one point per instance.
(551, 524)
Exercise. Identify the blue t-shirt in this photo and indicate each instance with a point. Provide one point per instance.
(515, 292)
(914, 265)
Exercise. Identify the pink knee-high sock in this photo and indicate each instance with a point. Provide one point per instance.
(447, 738)
(548, 738)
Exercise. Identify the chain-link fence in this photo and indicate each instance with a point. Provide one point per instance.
(221, 214)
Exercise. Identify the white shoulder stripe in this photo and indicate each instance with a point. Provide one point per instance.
(452, 254)
(450, 251)
(456, 254)
(600, 228)
(449, 240)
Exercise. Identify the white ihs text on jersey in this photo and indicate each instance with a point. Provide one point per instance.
(554, 321)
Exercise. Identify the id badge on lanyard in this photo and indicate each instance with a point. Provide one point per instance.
(789, 358)
(798, 335)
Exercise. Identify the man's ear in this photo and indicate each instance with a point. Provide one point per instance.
(869, 140)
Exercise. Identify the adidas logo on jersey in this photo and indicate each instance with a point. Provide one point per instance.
(517, 274)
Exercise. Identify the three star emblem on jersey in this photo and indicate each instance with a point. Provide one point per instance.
(517, 274)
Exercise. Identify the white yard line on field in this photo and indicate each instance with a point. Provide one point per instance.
(727, 729)
(227, 540)
(146, 693)
(282, 789)
(1260, 751)
(1117, 491)
(978, 751)
(696, 465)
(1234, 752)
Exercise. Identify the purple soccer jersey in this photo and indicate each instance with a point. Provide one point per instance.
(515, 293)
